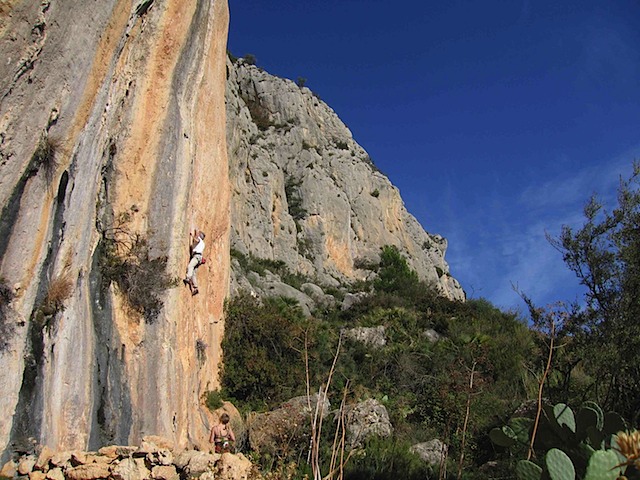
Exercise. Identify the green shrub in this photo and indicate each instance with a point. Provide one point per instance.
(213, 400)
(305, 248)
(249, 263)
(263, 351)
(394, 274)
(201, 351)
(250, 59)
(294, 199)
(375, 193)
(387, 459)
(238, 255)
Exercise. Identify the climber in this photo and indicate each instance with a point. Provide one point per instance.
(196, 248)
(222, 436)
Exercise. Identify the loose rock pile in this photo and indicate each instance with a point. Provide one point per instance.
(155, 459)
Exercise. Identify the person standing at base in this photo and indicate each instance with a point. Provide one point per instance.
(222, 436)
(196, 248)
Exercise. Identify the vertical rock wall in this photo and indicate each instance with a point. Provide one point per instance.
(129, 96)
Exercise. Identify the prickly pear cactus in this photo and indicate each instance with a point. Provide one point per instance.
(564, 416)
(602, 466)
(559, 465)
(503, 437)
(526, 470)
(575, 445)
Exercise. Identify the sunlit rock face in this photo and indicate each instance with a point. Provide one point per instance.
(305, 193)
(111, 117)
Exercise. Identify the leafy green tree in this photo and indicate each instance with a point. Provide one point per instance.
(263, 351)
(605, 255)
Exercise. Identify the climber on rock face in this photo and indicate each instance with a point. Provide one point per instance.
(196, 248)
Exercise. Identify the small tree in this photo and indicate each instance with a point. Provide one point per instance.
(394, 274)
(605, 256)
(250, 59)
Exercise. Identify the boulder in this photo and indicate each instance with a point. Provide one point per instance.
(37, 475)
(61, 459)
(285, 426)
(43, 459)
(93, 458)
(371, 336)
(273, 287)
(431, 335)
(55, 474)
(367, 419)
(351, 299)
(92, 471)
(164, 472)
(26, 464)
(234, 467)
(316, 293)
(78, 458)
(131, 469)
(115, 451)
(161, 457)
(432, 452)
(161, 442)
(194, 463)
(9, 470)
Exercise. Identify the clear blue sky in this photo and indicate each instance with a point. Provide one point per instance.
(495, 119)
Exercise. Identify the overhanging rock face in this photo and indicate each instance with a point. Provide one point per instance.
(112, 118)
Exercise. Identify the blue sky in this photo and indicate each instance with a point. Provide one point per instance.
(496, 119)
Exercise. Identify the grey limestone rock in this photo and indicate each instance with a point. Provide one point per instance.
(286, 425)
(370, 336)
(432, 452)
(351, 299)
(432, 335)
(305, 193)
(367, 419)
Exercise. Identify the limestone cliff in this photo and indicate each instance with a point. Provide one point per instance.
(305, 193)
(109, 110)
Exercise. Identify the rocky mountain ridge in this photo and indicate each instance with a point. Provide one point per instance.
(304, 193)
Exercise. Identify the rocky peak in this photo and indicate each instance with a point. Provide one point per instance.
(306, 194)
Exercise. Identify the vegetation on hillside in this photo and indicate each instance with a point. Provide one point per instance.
(487, 369)
(422, 383)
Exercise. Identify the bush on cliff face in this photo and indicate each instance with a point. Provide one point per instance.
(59, 290)
(141, 280)
(45, 156)
(6, 327)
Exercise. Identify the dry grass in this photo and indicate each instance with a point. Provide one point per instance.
(60, 289)
(46, 156)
